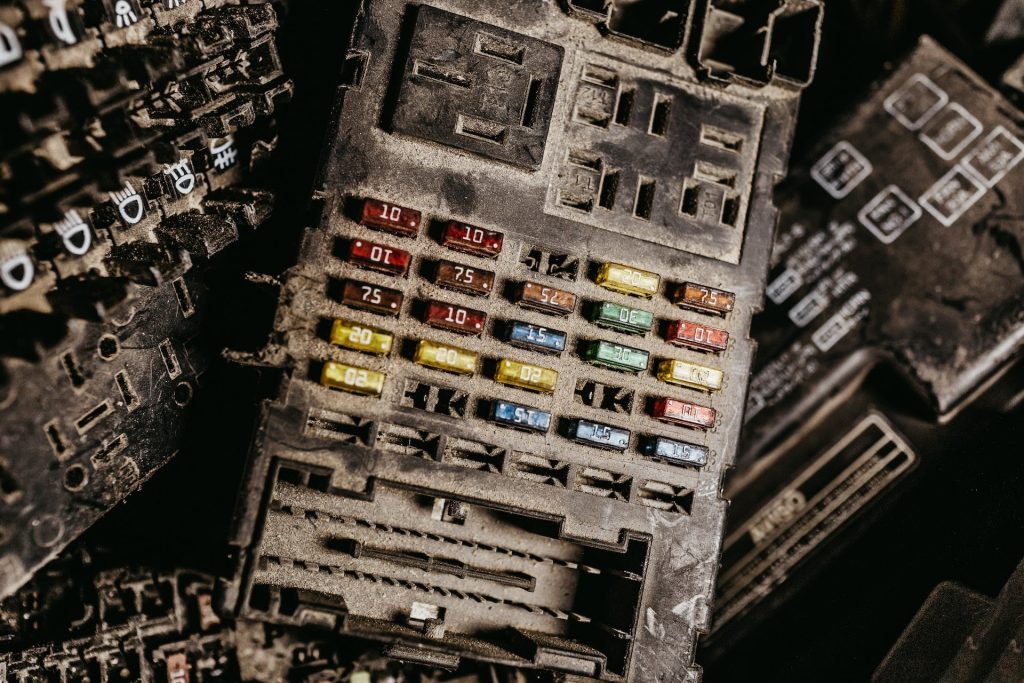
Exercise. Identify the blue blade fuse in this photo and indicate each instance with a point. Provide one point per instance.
(520, 416)
(679, 452)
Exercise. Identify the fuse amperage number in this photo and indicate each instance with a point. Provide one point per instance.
(454, 318)
(518, 416)
(463, 278)
(697, 336)
(391, 218)
(535, 337)
(704, 299)
(470, 239)
(628, 280)
(379, 257)
(526, 376)
(349, 334)
(545, 299)
(352, 379)
(683, 413)
(599, 435)
(691, 375)
(676, 452)
(373, 298)
(445, 357)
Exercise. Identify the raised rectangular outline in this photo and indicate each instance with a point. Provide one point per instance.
(926, 117)
(734, 591)
(842, 145)
(966, 161)
(923, 200)
(948, 156)
(870, 206)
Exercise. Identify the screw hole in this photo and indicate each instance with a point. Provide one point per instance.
(75, 477)
(108, 347)
(183, 393)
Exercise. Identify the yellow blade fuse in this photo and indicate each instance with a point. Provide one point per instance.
(691, 375)
(445, 357)
(352, 378)
(526, 376)
(628, 280)
(358, 337)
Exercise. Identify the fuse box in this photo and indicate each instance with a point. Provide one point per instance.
(552, 221)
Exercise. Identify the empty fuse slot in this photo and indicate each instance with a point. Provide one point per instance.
(541, 470)
(481, 129)
(128, 395)
(603, 483)
(666, 497)
(417, 443)
(492, 46)
(331, 425)
(474, 455)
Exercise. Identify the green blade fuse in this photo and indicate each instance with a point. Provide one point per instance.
(621, 318)
(615, 356)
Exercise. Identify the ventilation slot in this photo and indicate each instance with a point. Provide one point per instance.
(600, 76)
(714, 174)
(624, 107)
(530, 107)
(70, 365)
(9, 489)
(170, 359)
(93, 417)
(722, 139)
(124, 385)
(481, 129)
(659, 115)
(492, 46)
(184, 298)
(57, 443)
(439, 73)
(609, 188)
(105, 453)
(644, 205)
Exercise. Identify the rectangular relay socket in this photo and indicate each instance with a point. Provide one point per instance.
(517, 342)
